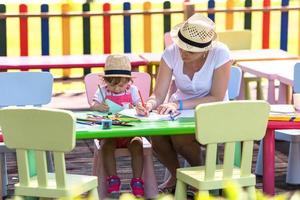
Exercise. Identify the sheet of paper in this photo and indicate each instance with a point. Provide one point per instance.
(154, 116)
(113, 107)
(187, 113)
(282, 109)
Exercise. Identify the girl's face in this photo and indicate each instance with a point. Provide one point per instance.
(188, 56)
(118, 88)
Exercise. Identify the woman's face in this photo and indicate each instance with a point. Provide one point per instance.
(188, 56)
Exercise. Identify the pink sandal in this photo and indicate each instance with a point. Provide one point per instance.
(137, 187)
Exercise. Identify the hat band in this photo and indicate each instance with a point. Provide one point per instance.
(118, 72)
(192, 43)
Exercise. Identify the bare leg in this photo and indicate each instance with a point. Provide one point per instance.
(166, 154)
(188, 147)
(135, 147)
(108, 154)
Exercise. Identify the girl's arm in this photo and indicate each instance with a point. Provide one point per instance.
(99, 103)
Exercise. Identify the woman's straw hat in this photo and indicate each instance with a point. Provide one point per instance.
(196, 34)
(117, 65)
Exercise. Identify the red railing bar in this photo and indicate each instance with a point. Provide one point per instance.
(138, 12)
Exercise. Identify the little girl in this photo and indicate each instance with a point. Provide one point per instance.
(117, 77)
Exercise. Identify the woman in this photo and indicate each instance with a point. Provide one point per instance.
(201, 68)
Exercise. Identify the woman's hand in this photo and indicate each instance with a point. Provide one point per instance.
(143, 111)
(166, 108)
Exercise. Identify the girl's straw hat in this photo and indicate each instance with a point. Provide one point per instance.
(196, 34)
(117, 65)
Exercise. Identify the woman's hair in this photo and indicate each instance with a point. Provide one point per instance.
(117, 80)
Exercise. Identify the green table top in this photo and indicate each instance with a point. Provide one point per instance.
(153, 128)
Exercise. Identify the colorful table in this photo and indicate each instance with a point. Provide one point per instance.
(178, 127)
(186, 126)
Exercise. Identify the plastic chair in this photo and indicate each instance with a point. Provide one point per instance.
(292, 136)
(41, 130)
(21, 89)
(239, 40)
(225, 122)
(142, 81)
(233, 92)
(234, 82)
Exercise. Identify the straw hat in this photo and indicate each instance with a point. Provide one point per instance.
(117, 65)
(196, 34)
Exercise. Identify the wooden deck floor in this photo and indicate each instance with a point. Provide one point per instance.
(79, 161)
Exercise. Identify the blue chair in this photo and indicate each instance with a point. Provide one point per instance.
(292, 136)
(234, 82)
(22, 89)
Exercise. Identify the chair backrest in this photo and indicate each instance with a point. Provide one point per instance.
(167, 39)
(234, 82)
(39, 130)
(230, 122)
(235, 39)
(296, 86)
(25, 88)
(141, 79)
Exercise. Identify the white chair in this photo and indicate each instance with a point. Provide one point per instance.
(142, 81)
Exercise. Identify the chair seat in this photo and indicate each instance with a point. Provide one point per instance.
(75, 185)
(289, 135)
(194, 176)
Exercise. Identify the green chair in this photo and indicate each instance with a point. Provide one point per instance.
(240, 40)
(41, 130)
(228, 123)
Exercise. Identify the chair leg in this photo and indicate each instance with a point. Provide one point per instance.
(93, 194)
(251, 192)
(3, 180)
(151, 189)
(247, 89)
(237, 154)
(259, 161)
(98, 170)
(259, 91)
(180, 192)
(293, 176)
(203, 194)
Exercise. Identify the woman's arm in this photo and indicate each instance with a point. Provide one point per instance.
(162, 85)
(161, 88)
(218, 89)
(217, 92)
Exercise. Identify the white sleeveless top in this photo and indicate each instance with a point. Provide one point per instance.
(201, 83)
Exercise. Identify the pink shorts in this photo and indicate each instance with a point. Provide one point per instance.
(122, 142)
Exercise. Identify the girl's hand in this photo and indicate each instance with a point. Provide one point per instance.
(143, 111)
(166, 108)
(103, 107)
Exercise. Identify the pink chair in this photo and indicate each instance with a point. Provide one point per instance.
(167, 39)
(142, 81)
